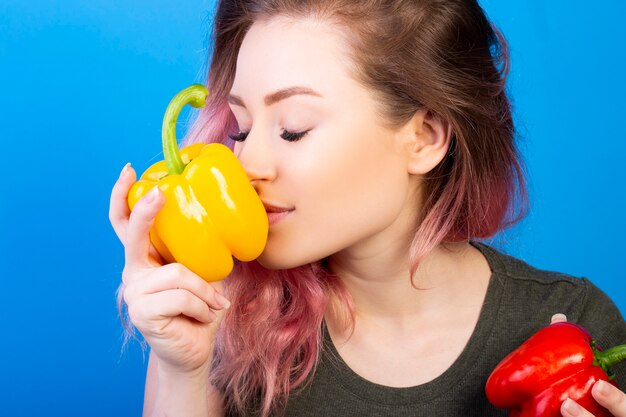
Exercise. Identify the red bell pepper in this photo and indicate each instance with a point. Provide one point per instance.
(558, 362)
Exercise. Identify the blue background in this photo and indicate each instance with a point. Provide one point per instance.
(84, 86)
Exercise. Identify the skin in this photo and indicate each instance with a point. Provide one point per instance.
(352, 186)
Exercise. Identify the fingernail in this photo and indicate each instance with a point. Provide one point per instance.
(222, 300)
(152, 195)
(125, 170)
(572, 408)
(602, 388)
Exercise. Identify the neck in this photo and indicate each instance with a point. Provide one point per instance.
(381, 288)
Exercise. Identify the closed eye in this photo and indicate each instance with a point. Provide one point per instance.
(239, 137)
(286, 135)
(293, 136)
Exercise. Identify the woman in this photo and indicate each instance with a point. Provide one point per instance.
(379, 136)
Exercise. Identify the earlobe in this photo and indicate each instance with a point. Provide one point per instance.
(429, 142)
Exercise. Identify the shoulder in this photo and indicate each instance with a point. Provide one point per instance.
(517, 269)
(573, 295)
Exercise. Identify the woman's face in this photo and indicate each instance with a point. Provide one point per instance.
(342, 187)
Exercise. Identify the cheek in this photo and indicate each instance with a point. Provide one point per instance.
(354, 192)
(365, 198)
(361, 173)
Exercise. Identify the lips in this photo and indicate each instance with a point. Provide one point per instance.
(276, 213)
(271, 208)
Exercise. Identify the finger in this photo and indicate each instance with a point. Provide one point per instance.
(610, 397)
(137, 245)
(571, 408)
(177, 276)
(118, 206)
(558, 318)
(166, 304)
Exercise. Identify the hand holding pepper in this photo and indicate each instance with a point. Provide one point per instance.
(171, 306)
(607, 395)
(558, 371)
(189, 213)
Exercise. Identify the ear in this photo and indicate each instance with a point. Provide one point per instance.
(426, 139)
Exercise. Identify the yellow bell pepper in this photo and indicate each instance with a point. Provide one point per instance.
(211, 211)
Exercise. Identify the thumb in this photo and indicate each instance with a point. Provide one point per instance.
(137, 245)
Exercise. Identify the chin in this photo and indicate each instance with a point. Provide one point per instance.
(283, 260)
(276, 262)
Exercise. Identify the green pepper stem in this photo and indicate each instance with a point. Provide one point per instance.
(195, 95)
(606, 359)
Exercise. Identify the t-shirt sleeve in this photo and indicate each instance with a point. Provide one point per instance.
(601, 317)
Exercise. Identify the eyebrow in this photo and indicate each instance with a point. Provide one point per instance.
(277, 95)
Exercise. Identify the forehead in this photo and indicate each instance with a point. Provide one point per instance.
(284, 51)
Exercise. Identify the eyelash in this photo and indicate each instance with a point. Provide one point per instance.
(287, 135)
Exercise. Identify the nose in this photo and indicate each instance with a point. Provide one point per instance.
(257, 157)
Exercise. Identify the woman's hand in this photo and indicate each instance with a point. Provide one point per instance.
(607, 395)
(176, 311)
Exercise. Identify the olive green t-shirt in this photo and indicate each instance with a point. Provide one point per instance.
(519, 301)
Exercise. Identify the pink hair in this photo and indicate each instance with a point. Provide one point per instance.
(269, 341)
(441, 55)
